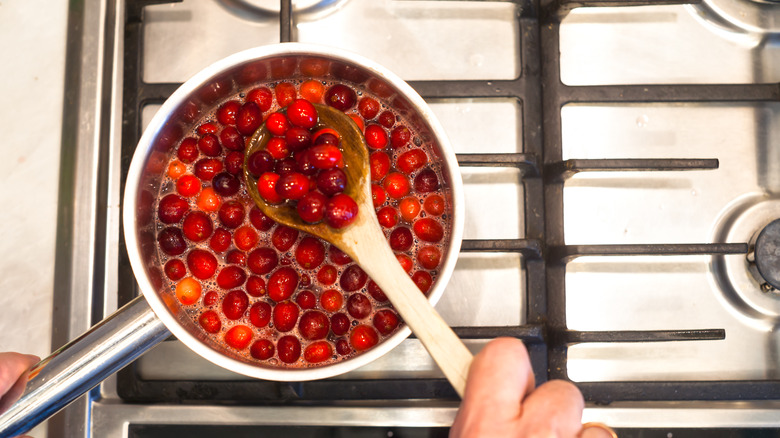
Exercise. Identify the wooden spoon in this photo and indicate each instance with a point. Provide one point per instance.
(365, 242)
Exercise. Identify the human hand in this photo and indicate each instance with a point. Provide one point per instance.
(501, 399)
(13, 366)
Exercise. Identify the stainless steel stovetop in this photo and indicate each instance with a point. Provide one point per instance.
(714, 42)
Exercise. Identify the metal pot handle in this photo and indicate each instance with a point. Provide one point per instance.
(82, 364)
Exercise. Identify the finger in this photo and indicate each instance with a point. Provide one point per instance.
(499, 378)
(596, 430)
(12, 366)
(554, 409)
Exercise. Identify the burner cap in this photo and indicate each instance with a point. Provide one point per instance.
(768, 253)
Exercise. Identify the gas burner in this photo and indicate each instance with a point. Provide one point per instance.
(741, 16)
(254, 10)
(749, 283)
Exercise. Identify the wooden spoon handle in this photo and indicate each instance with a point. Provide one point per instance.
(438, 338)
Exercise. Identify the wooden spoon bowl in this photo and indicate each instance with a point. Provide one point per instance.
(365, 242)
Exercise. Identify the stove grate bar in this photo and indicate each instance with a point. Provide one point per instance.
(563, 170)
(576, 337)
(570, 252)
(527, 163)
(472, 89)
(669, 93)
(529, 333)
(530, 249)
(705, 390)
(156, 92)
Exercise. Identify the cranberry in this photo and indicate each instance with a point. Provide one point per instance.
(277, 147)
(396, 185)
(331, 300)
(380, 164)
(188, 291)
(412, 160)
(341, 97)
(303, 162)
(209, 145)
(378, 195)
(426, 181)
(376, 292)
(327, 274)
(314, 325)
(260, 314)
(302, 113)
(297, 138)
(231, 277)
(339, 323)
(310, 253)
(236, 257)
(188, 185)
(235, 304)
(277, 124)
(423, 280)
(284, 237)
(368, 107)
(232, 139)
(225, 184)
(171, 241)
(210, 322)
(285, 92)
(340, 211)
(358, 305)
(220, 240)
(326, 136)
(188, 150)
(245, 238)
(259, 163)
(249, 118)
(363, 337)
(172, 208)
(428, 229)
(376, 137)
(262, 349)
(405, 261)
(385, 321)
(387, 119)
(197, 226)
(387, 217)
(338, 256)
(285, 165)
(409, 208)
(202, 263)
(434, 205)
(255, 286)
(259, 220)
(332, 181)
(401, 239)
(208, 200)
(285, 316)
(342, 347)
(289, 349)
(262, 96)
(429, 257)
(211, 298)
(353, 278)
(262, 260)
(292, 185)
(306, 299)
(238, 337)
(207, 128)
(400, 136)
(175, 269)
(206, 168)
(311, 207)
(266, 186)
(226, 114)
(234, 162)
(324, 156)
(282, 283)
(231, 214)
(317, 352)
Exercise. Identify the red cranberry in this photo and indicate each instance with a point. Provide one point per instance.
(331, 300)
(277, 147)
(226, 114)
(342, 347)
(311, 207)
(282, 283)
(324, 156)
(297, 138)
(210, 322)
(428, 229)
(376, 292)
(211, 298)
(339, 323)
(225, 184)
(207, 128)
(262, 349)
(206, 168)
(260, 314)
(378, 195)
(197, 226)
(353, 278)
(303, 162)
(232, 139)
(338, 256)
(284, 237)
(262, 260)
(288, 349)
(426, 181)
(262, 96)
(341, 97)
(429, 257)
(380, 164)
(220, 240)
(175, 269)
(340, 211)
(332, 181)
(358, 305)
(310, 253)
(306, 299)
(249, 118)
(231, 214)
(318, 352)
(326, 136)
(188, 185)
(314, 325)
(231, 277)
(255, 286)
(363, 337)
(171, 241)
(405, 261)
(412, 160)
(259, 220)
(259, 163)
(387, 217)
(387, 119)
(235, 304)
(172, 208)
(234, 162)
(277, 124)
(396, 185)
(385, 321)
(245, 238)
(202, 263)
(400, 136)
(292, 185)
(376, 137)
(368, 107)
(302, 113)
(401, 239)
(209, 145)
(238, 337)
(188, 150)
(285, 91)
(285, 316)
(423, 280)
(266, 186)
(236, 257)
(327, 275)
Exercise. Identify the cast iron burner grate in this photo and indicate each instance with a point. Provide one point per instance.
(541, 93)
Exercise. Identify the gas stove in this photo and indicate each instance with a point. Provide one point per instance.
(619, 164)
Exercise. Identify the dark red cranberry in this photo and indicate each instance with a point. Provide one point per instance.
(304, 163)
(231, 277)
(401, 239)
(423, 280)
(207, 168)
(376, 292)
(358, 305)
(400, 136)
(211, 298)
(368, 107)
(259, 220)
(292, 185)
(262, 349)
(297, 138)
(340, 211)
(171, 241)
(226, 114)
(338, 256)
(385, 321)
(262, 260)
(197, 226)
(302, 113)
(262, 96)
(210, 322)
(341, 97)
(259, 163)
(342, 347)
(175, 269)
(285, 316)
(277, 124)
(235, 304)
(376, 137)
(236, 257)
(209, 145)
(225, 184)
(429, 257)
(284, 237)
(353, 278)
(339, 323)
(234, 162)
(332, 181)
(426, 181)
(232, 139)
(306, 299)
(327, 138)
(260, 314)
(428, 229)
(314, 325)
(282, 283)
(255, 286)
(220, 240)
(188, 150)
(387, 119)
(172, 208)
(202, 263)
(285, 166)
(310, 252)
(288, 349)
(249, 118)
(311, 207)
